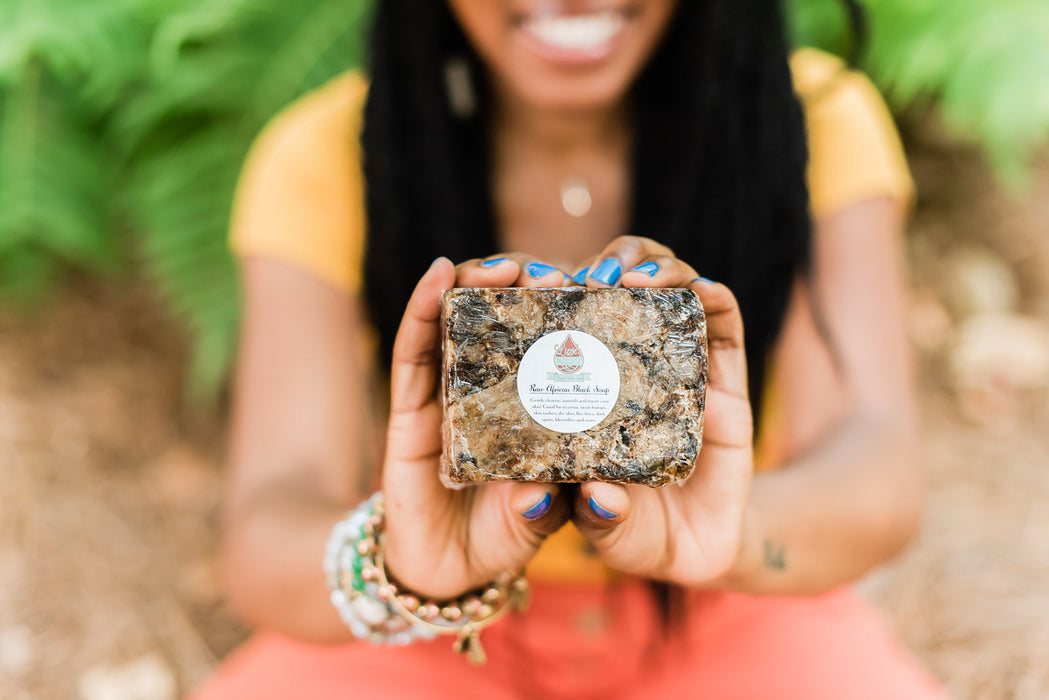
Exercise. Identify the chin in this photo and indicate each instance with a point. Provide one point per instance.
(573, 95)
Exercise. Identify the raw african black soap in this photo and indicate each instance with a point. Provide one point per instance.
(572, 384)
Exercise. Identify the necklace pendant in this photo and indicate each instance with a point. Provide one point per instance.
(575, 197)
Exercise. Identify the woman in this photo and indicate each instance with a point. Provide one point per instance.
(609, 144)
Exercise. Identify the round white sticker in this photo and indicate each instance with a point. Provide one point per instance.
(568, 381)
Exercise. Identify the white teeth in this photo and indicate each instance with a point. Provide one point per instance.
(577, 32)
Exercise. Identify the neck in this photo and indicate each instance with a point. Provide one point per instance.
(560, 134)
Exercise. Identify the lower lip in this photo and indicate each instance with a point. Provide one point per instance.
(576, 58)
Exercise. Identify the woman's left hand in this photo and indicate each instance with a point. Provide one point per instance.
(688, 534)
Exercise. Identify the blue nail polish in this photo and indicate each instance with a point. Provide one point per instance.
(539, 269)
(493, 262)
(649, 268)
(539, 509)
(601, 512)
(607, 272)
(580, 277)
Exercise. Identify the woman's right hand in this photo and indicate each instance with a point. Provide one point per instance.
(441, 542)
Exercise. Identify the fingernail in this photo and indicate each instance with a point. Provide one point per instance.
(539, 509)
(702, 279)
(602, 512)
(649, 268)
(539, 269)
(607, 272)
(580, 277)
(493, 262)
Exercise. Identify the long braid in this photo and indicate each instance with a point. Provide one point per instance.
(719, 167)
(720, 156)
(425, 169)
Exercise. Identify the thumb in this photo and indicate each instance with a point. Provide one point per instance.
(601, 506)
(413, 440)
(414, 370)
(726, 354)
(539, 508)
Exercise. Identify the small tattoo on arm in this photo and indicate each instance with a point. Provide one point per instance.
(775, 556)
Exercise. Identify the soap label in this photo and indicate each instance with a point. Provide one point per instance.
(568, 381)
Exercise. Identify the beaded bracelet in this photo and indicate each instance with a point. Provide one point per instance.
(373, 607)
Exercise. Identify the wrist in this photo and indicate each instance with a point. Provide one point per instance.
(742, 573)
(375, 608)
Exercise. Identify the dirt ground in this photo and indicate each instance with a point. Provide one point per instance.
(108, 486)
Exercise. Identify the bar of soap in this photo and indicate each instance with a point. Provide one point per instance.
(574, 384)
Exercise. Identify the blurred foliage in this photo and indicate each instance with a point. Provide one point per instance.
(123, 123)
(983, 64)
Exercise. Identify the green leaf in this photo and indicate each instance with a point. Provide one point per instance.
(217, 78)
(55, 178)
(985, 65)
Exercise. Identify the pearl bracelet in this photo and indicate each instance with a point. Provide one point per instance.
(373, 607)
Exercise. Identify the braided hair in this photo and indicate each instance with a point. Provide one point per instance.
(717, 166)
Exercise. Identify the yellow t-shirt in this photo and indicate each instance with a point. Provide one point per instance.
(300, 199)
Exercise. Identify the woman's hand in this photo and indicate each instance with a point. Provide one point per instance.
(688, 534)
(442, 542)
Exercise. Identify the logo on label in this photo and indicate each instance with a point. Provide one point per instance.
(568, 357)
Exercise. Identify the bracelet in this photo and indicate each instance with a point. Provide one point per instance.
(375, 609)
(357, 599)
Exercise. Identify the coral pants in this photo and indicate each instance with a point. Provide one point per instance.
(584, 642)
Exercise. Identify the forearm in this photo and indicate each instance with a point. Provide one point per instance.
(832, 514)
(273, 548)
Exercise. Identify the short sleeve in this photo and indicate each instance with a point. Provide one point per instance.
(854, 149)
(300, 197)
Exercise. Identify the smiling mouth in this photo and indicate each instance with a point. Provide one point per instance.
(576, 33)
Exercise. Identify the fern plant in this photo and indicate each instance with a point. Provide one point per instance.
(62, 67)
(124, 123)
(218, 72)
(135, 115)
(983, 64)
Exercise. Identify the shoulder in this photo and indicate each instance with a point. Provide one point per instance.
(855, 152)
(813, 71)
(300, 194)
(329, 113)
